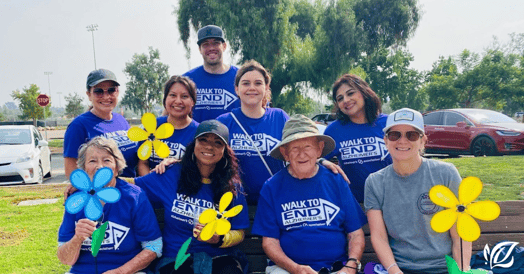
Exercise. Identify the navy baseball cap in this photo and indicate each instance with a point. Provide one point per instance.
(100, 75)
(210, 31)
(215, 127)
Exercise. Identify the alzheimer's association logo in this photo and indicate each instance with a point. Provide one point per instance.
(499, 255)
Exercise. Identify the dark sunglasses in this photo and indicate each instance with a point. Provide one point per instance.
(100, 92)
(410, 135)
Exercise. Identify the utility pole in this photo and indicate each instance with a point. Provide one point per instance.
(92, 29)
(48, 81)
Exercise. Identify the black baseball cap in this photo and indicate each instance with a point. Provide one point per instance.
(210, 31)
(215, 127)
(100, 75)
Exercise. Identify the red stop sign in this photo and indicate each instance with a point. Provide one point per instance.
(43, 100)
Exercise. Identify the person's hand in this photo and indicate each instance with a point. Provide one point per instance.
(70, 189)
(161, 167)
(304, 269)
(84, 229)
(198, 229)
(335, 169)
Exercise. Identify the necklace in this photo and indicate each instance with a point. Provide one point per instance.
(206, 181)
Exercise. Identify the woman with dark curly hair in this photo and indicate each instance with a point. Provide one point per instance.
(357, 132)
(208, 169)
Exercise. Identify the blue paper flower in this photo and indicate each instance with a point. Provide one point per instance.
(91, 192)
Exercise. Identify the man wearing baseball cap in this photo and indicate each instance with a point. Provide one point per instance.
(306, 213)
(214, 79)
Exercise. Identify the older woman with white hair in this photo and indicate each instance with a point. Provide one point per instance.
(398, 206)
(307, 215)
(132, 218)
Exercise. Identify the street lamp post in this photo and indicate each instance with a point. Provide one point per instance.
(48, 81)
(92, 29)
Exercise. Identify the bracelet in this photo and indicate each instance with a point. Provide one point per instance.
(392, 265)
(321, 160)
(351, 267)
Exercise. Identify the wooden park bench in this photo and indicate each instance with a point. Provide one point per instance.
(509, 226)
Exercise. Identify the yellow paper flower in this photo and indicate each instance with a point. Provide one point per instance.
(151, 135)
(212, 223)
(462, 210)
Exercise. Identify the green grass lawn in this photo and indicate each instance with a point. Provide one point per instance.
(28, 235)
(503, 177)
(56, 143)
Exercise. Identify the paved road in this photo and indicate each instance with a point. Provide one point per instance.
(57, 170)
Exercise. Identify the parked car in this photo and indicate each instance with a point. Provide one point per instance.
(324, 118)
(472, 131)
(24, 155)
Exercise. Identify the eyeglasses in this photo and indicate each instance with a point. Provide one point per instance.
(410, 135)
(99, 92)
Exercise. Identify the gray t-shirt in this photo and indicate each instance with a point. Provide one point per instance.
(407, 212)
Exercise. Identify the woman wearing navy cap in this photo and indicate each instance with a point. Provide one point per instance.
(100, 120)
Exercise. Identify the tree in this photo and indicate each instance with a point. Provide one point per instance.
(11, 106)
(147, 78)
(28, 105)
(300, 41)
(74, 105)
(388, 74)
(492, 82)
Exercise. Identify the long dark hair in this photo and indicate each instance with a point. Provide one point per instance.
(372, 104)
(224, 178)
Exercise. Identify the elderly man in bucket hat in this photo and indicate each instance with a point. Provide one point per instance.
(307, 215)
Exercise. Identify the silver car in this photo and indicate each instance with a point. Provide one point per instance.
(24, 155)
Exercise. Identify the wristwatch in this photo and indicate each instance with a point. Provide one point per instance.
(357, 262)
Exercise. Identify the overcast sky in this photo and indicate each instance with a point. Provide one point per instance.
(51, 36)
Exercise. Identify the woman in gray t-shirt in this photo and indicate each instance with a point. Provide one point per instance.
(398, 207)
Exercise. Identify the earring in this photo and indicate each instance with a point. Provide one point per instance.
(193, 157)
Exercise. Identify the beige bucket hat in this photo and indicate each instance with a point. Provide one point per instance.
(299, 127)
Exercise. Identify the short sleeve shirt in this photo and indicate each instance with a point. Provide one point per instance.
(131, 222)
(181, 211)
(308, 216)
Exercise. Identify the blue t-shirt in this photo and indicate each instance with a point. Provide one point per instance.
(360, 150)
(177, 142)
(215, 93)
(179, 211)
(308, 216)
(266, 132)
(131, 221)
(88, 126)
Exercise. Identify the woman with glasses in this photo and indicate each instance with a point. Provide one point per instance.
(398, 206)
(179, 99)
(357, 131)
(132, 218)
(100, 120)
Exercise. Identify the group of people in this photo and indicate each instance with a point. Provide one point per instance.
(228, 139)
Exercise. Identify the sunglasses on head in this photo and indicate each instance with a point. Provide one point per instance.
(410, 135)
(100, 91)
